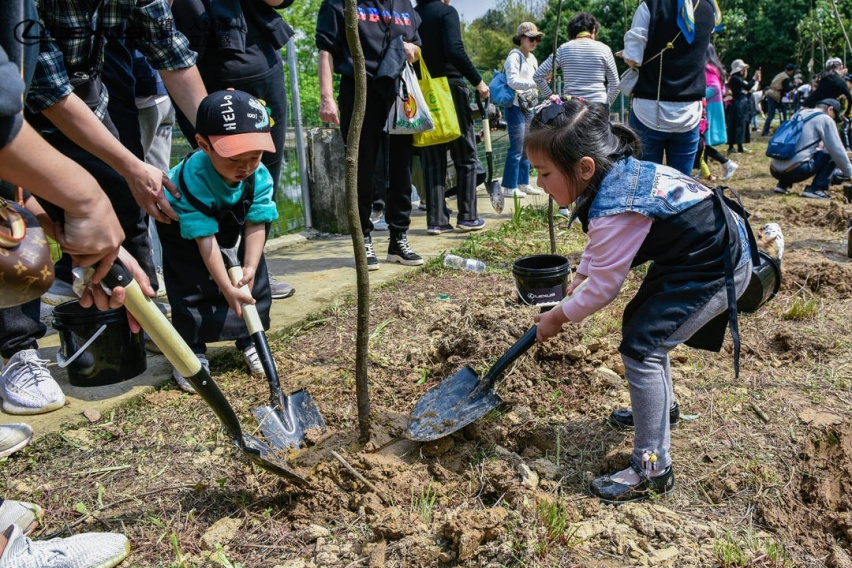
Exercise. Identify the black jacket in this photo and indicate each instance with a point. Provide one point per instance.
(443, 50)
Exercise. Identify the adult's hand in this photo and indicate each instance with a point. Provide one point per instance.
(412, 51)
(91, 235)
(483, 90)
(96, 295)
(147, 183)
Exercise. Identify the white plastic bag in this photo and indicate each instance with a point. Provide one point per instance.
(628, 80)
(408, 113)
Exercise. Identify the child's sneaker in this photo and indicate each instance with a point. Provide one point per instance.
(27, 386)
(252, 360)
(21, 514)
(101, 550)
(181, 380)
(730, 167)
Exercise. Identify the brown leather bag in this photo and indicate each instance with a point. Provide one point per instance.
(26, 269)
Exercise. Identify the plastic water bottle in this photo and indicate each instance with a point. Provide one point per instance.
(469, 264)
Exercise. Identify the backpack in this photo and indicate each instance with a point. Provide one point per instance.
(782, 145)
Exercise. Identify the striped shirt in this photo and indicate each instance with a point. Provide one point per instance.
(70, 47)
(585, 64)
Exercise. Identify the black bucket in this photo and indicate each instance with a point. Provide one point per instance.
(764, 284)
(541, 279)
(114, 355)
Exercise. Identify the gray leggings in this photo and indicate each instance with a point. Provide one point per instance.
(651, 393)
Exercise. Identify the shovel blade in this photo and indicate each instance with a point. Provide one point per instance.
(497, 200)
(450, 406)
(286, 428)
(264, 457)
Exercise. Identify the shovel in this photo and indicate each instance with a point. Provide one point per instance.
(186, 362)
(491, 185)
(463, 398)
(285, 426)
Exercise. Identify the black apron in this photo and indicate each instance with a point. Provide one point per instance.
(200, 313)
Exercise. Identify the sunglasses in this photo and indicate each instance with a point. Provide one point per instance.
(533, 39)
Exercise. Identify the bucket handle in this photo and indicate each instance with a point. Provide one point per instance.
(63, 362)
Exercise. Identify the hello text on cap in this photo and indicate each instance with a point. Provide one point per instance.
(235, 122)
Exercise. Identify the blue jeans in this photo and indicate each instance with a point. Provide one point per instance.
(820, 166)
(679, 147)
(516, 171)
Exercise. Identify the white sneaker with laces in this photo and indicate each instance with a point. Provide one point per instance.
(27, 386)
(252, 360)
(514, 192)
(13, 437)
(181, 380)
(21, 514)
(85, 550)
(530, 190)
(730, 168)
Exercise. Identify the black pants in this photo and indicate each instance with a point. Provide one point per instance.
(738, 116)
(463, 152)
(398, 155)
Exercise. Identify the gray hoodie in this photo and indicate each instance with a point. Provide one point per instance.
(823, 130)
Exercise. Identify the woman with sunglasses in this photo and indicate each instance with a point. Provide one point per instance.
(519, 67)
(697, 242)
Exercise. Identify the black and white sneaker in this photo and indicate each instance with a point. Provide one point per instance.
(372, 259)
(400, 251)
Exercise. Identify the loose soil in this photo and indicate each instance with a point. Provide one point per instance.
(763, 462)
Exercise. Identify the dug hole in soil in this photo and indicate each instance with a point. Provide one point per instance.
(763, 462)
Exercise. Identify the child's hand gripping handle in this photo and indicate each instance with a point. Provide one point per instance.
(235, 272)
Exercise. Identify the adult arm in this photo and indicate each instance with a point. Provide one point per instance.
(455, 53)
(186, 88)
(328, 104)
(76, 120)
(612, 78)
(90, 232)
(833, 145)
(636, 38)
(540, 76)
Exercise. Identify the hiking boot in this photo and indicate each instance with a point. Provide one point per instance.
(13, 437)
(252, 360)
(622, 418)
(185, 385)
(27, 387)
(280, 290)
(400, 251)
(23, 515)
(471, 225)
(372, 259)
(729, 167)
(815, 193)
(437, 230)
(609, 490)
(85, 550)
(781, 190)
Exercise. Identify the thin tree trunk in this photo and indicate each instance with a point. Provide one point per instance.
(550, 229)
(362, 381)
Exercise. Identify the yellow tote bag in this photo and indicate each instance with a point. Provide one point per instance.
(439, 101)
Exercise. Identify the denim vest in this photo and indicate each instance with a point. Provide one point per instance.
(655, 191)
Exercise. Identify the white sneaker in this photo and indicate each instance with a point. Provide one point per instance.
(27, 387)
(530, 190)
(21, 514)
(252, 360)
(85, 550)
(13, 437)
(380, 224)
(513, 192)
(730, 168)
(564, 212)
(181, 381)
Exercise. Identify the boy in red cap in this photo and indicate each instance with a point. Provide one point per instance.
(225, 201)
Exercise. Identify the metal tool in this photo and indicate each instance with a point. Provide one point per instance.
(297, 413)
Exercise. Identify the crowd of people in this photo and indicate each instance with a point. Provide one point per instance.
(100, 111)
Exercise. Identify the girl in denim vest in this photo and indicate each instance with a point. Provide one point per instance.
(636, 212)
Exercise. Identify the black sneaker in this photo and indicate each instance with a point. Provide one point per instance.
(815, 193)
(280, 290)
(610, 491)
(400, 251)
(622, 418)
(372, 259)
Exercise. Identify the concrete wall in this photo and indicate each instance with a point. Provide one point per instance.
(326, 180)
